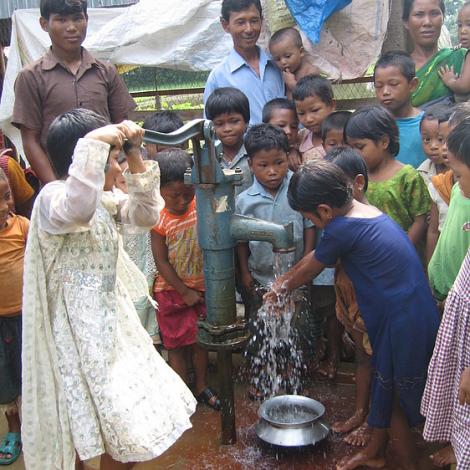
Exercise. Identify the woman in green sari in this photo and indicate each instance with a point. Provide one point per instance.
(423, 20)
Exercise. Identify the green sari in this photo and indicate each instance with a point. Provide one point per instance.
(430, 86)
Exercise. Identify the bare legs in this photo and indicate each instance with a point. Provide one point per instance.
(14, 425)
(333, 334)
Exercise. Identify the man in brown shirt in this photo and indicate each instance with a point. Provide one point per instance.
(66, 77)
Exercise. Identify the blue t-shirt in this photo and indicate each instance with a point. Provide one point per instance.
(411, 147)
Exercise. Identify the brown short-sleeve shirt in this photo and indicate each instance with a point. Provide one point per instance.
(46, 89)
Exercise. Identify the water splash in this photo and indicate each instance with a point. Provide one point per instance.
(277, 364)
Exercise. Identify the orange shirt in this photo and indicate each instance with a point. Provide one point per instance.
(184, 253)
(12, 247)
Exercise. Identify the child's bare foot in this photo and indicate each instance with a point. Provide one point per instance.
(444, 457)
(351, 423)
(361, 459)
(360, 437)
(329, 368)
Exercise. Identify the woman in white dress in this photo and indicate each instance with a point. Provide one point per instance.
(93, 383)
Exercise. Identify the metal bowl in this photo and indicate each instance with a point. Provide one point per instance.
(291, 421)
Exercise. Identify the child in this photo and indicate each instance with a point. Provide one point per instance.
(66, 77)
(446, 399)
(347, 309)
(162, 121)
(289, 55)
(13, 235)
(179, 287)
(392, 293)
(396, 189)
(137, 244)
(266, 199)
(460, 83)
(92, 381)
(394, 82)
(314, 101)
(332, 129)
(229, 110)
(281, 112)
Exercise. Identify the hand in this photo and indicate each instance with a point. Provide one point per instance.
(111, 134)
(134, 136)
(294, 158)
(247, 281)
(464, 388)
(192, 297)
(289, 79)
(447, 74)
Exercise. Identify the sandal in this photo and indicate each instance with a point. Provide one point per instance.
(205, 397)
(11, 444)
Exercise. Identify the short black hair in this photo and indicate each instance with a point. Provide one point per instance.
(373, 122)
(62, 7)
(238, 5)
(277, 103)
(438, 112)
(399, 59)
(290, 33)
(311, 85)
(350, 161)
(461, 112)
(458, 142)
(265, 137)
(408, 5)
(173, 163)
(163, 121)
(227, 100)
(63, 135)
(335, 121)
(318, 182)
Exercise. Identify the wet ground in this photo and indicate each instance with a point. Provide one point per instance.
(199, 447)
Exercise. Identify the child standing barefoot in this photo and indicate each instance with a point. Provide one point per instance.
(393, 295)
(179, 287)
(92, 380)
(13, 234)
(446, 400)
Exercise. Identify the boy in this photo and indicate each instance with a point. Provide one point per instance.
(332, 130)
(394, 82)
(247, 67)
(65, 78)
(162, 121)
(289, 55)
(179, 287)
(281, 112)
(229, 110)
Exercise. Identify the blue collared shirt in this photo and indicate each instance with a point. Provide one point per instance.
(259, 203)
(235, 72)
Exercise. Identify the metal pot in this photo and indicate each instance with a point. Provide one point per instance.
(291, 421)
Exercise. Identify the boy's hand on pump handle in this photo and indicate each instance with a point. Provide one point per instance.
(126, 135)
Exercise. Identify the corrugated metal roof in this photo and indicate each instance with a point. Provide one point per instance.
(8, 6)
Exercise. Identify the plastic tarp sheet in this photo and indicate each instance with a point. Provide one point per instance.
(311, 14)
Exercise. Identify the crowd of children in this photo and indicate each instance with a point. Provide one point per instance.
(378, 198)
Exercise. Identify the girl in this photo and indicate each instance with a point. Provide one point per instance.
(392, 293)
(446, 400)
(394, 188)
(92, 380)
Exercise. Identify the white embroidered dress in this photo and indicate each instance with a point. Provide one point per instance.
(92, 380)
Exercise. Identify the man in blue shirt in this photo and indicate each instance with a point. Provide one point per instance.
(247, 67)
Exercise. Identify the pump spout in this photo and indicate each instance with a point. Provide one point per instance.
(248, 228)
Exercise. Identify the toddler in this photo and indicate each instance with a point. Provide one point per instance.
(229, 110)
(91, 376)
(395, 81)
(332, 129)
(179, 287)
(281, 112)
(162, 121)
(446, 399)
(394, 188)
(393, 296)
(314, 101)
(13, 235)
(289, 55)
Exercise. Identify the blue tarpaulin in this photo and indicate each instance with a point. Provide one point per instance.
(311, 14)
